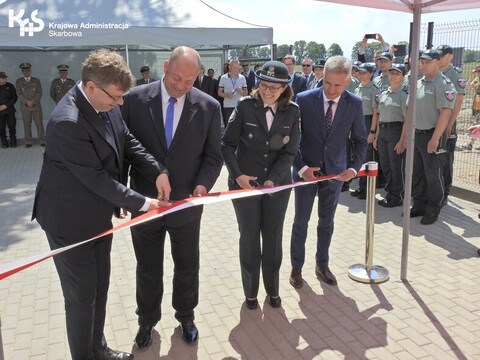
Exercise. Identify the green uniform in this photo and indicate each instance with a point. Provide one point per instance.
(392, 108)
(427, 178)
(352, 85)
(432, 95)
(59, 88)
(382, 82)
(369, 94)
(31, 90)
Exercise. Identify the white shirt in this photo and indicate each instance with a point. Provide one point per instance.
(269, 115)
(177, 107)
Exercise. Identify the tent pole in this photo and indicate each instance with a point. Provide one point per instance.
(412, 104)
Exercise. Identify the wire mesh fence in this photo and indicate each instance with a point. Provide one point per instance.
(464, 38)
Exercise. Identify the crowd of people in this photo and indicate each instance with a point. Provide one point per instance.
(164, 138)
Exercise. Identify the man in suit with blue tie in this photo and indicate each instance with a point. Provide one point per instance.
(329, 115)
(249, 75)
(180, 126)
(297, 82)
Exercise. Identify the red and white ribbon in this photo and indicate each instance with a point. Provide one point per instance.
(18, 265)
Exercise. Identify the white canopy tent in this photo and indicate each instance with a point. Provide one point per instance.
(416, 7)
(53, 23)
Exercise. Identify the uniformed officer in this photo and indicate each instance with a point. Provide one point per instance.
(391, 138)
(353, 84)
(458, 80)
(385, 60)
(146, 79)
(259, 145)
(8, 97)
(60, 86)
(369, 92)
(29, 90)
(318, 71)
(435, 101)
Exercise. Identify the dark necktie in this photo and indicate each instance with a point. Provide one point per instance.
(106, 118)
(328, 116)
(169, 121)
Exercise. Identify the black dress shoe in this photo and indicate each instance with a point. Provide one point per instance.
(28, 145)
(428, 219)
(296, 279)
(274, 301)
(144, 336)
(345, 186)
(388, 203)
(325, 274)
(415, 212)
(359, 194)
(108, 354)
(190, 332)
(251, 304)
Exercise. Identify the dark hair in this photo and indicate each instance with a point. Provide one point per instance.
(283, 100)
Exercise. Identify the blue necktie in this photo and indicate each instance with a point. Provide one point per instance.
(106, 118)
(328, 116)
(169, 121)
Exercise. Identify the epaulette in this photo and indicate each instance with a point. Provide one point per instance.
(375, 85)
(248, 97)
(406, 90)
(293, 103)
(447, 80)
(457, 69)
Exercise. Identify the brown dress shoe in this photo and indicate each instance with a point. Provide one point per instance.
(326, 275)
(296, 278)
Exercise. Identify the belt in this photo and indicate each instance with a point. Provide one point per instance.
(417, 131)
(392, 124)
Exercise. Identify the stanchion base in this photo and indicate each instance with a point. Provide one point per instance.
(358, 272)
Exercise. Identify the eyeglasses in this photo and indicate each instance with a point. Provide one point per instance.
(243, 65)
(115, 99)
(306, 65)
(272, 88)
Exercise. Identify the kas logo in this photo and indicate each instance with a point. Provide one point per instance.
(26, 26)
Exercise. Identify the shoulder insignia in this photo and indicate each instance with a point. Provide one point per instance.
(294, 103)
(462, 82)
(450, 95)
(447, 80)
(457, 69)
(406, 90)
(377, 98)
(244, 98)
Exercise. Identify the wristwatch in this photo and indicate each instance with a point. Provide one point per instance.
(373, 132)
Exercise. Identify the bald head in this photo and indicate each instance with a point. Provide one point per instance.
(181, 70)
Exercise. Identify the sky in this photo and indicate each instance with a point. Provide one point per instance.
(329, 23)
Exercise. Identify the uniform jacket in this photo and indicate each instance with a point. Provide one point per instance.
(250, 149)
(8, 97)
(207, 85)
(143, 81)
(299, 84)
(79, 186)
(29, 90)
(329, 152)
(59, 89)
(194, 157)
(250, 80)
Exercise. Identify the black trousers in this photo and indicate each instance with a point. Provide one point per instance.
(393, 165)
(261, 215)
(226, 112)
(148, 243)
(85, 276)
(427, 176)
(370, 155)
(7, 119)
(448, 167)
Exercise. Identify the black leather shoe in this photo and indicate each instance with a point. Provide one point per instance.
(190, 332)
(345, 186)
(296, 279)
(108, 354)
(326, 275)
(389, 203)
(444, 201)
(28, 145)
(359, 194)
(144, 336)
(415, 212)
(428, 219)
(251, 304)
(274, 301)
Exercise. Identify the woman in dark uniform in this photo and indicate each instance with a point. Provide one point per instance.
(258, 147)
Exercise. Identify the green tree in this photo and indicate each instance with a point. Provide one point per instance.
(369, 50)
(264, 52)
(472, 56)
(334, 49)
(300, 50)
(315, 50)
(282, 50)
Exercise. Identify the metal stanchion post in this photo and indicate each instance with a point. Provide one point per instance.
(1, 342)
(369, 273)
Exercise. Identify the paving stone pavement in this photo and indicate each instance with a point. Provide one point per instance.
(434, 315)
